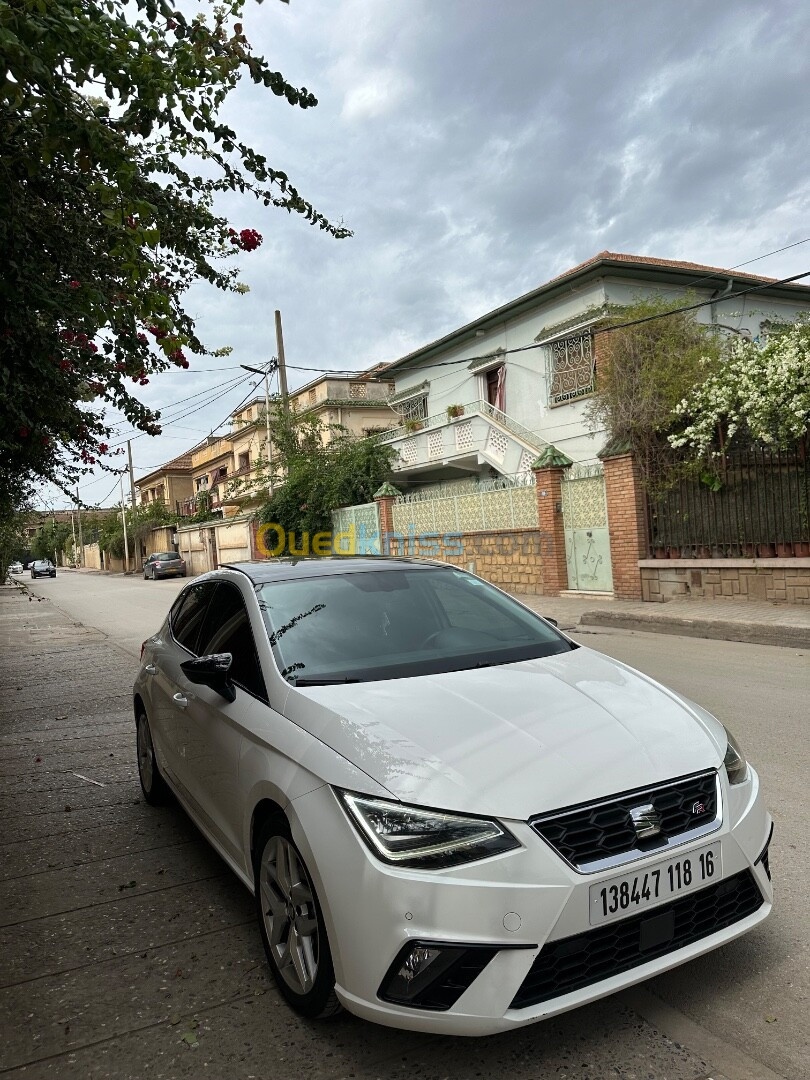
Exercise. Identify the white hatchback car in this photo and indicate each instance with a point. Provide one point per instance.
(453, 818)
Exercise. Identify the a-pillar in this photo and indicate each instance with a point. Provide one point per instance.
(384, 497)
(627, 518)
(549, 469)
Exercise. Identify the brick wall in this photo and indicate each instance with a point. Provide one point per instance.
(784, 581)
(548, 486)
(510, 558)
(627, 525)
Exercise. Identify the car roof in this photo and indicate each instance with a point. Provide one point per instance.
(262, 571)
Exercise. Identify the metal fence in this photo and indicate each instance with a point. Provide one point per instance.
(508, 502)
(761, 508)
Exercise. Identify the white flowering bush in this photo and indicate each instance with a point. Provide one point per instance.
(764, 389)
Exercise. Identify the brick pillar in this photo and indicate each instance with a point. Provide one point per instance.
(548, 473)
(627, 520)
(384, 497)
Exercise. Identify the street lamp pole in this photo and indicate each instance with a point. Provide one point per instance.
(266, 373)
(124, 523)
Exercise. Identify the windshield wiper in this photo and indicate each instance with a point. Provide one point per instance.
(322, 682)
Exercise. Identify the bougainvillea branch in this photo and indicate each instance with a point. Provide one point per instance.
(113, 153)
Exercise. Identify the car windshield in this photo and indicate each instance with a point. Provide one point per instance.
(394, 624)
(166, 555)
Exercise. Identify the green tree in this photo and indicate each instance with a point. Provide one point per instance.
(643, 371)
(12, 538)
(314, 475)
(50, 540)
(113, 152)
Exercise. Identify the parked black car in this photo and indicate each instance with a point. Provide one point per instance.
(43, 568)
(164, 564)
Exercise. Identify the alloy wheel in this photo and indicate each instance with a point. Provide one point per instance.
(288, 910)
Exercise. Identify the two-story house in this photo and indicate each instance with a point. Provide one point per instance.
(486, 400)
(343, 404)
(170, 484)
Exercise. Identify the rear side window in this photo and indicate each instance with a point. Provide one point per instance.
(187, 618)
(226, 628)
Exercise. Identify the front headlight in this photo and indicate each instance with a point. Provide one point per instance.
(734, 761)
(424, 839)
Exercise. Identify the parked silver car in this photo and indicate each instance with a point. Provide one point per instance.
(164, 564)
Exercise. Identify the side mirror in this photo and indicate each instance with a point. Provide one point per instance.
(211, 671)
(552, 621)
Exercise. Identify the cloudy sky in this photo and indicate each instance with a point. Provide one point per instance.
(479, 148)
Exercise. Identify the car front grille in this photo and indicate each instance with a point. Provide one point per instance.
(574, 962)
(591, 837)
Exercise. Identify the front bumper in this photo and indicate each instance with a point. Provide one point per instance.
(512, 904)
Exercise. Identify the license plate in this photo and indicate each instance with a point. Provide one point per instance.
(621, 896)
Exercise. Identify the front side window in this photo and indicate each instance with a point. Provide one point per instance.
(226, 629)
(187, 615)
(389, 624)
(571, 370)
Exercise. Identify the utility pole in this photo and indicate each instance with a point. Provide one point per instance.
(73, 529)
(266, 373)
(132, 494)
(124, 523)
(81, 538)
(282, 365)
(131, 475)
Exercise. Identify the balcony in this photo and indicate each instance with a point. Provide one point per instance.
(480, 436)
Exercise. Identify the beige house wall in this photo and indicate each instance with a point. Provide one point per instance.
(231, 540)
(160, 539)
(176, 488)
(92, 556)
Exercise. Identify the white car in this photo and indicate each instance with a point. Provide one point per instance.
(15, 568)
(454, 818)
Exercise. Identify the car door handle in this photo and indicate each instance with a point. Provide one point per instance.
(150, 669)
(180, 700)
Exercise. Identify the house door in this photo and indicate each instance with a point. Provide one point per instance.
(587, 543)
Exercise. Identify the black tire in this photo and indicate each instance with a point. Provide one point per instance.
(320, 1002)
(155, 789)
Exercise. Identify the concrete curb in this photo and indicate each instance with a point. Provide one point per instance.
(782, 634)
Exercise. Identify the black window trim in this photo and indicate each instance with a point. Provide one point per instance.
(216, 582)
(189, 588)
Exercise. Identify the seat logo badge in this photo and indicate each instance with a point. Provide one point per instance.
(698, 808)
(646, 821)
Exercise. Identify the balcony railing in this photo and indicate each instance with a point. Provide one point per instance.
(474, 408)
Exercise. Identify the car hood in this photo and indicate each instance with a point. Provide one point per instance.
(514, 740)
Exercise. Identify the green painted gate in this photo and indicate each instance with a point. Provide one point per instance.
(587, 544)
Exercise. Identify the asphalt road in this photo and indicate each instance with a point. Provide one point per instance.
(166, 976)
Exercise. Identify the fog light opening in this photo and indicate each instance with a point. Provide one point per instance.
(415, 970)
(434, 974)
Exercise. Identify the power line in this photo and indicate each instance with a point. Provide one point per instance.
(748, 262)
(189, 412)
(702, 303)
(170, 410)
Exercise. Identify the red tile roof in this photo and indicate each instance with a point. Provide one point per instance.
(648, 260)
